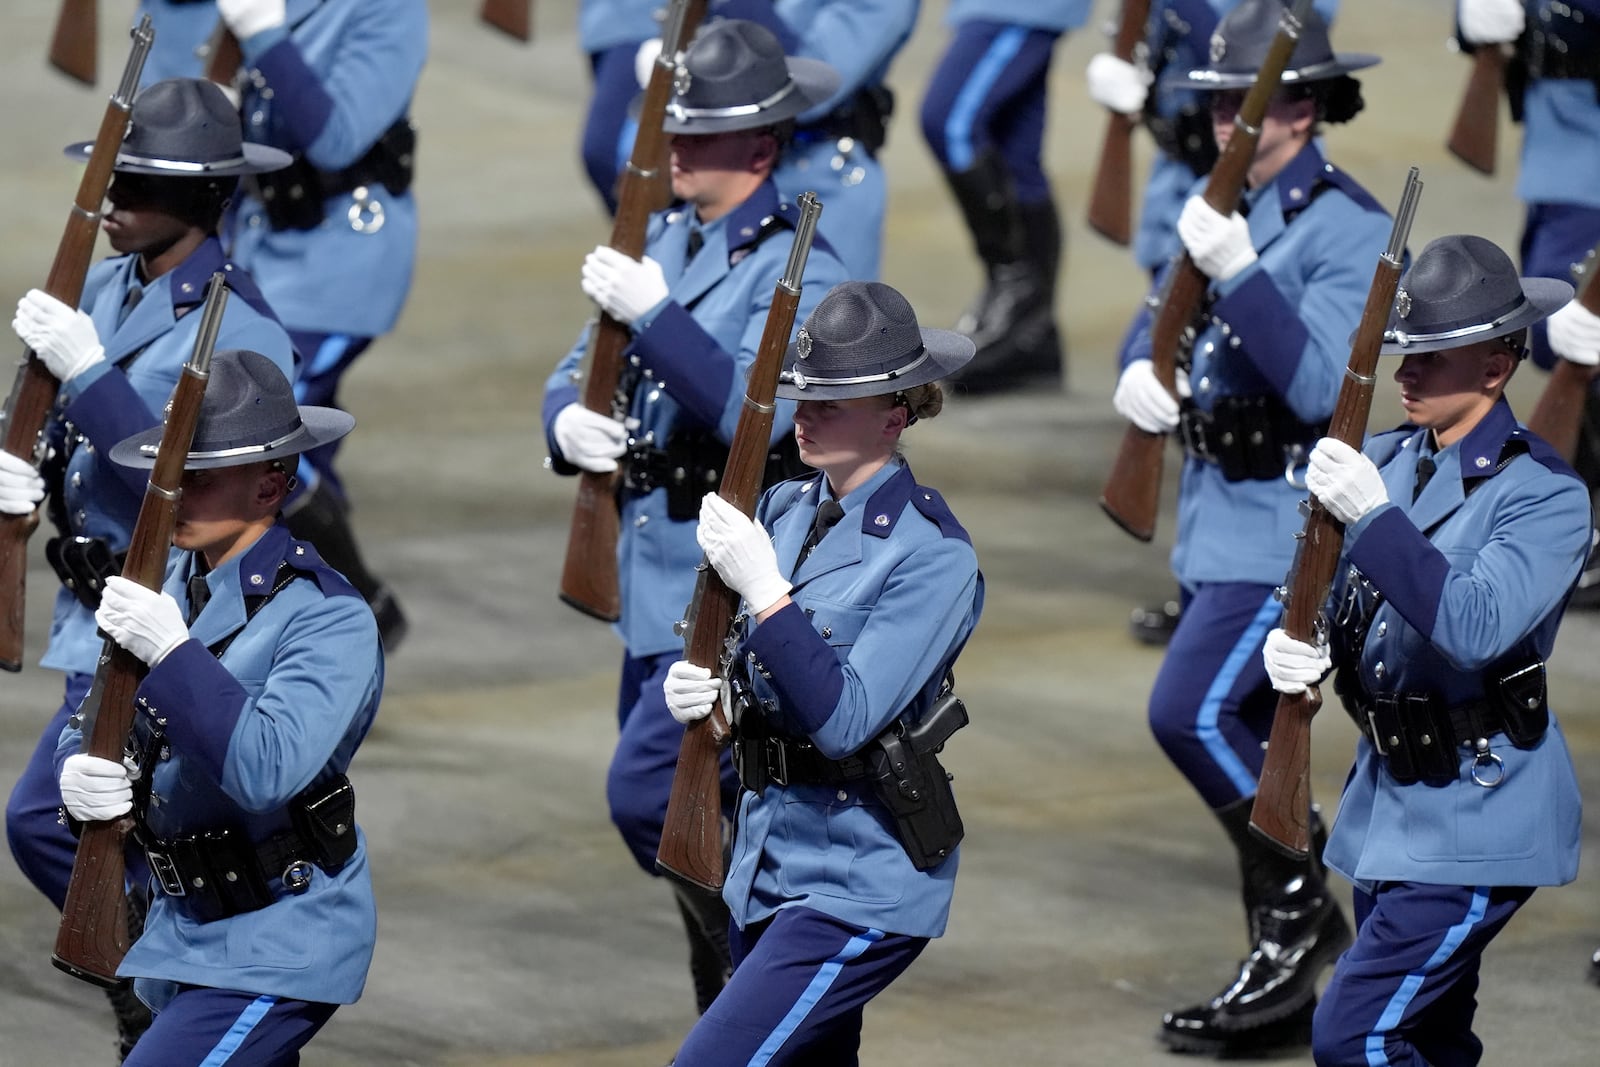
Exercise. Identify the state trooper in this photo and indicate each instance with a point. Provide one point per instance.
(118, 357)
(1464, 538)
(1287, 285)
(696, 306)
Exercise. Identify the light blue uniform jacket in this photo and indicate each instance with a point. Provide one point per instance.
(882, 607)
(288, 703)
(1057, 15)
(1179, 39)
(1465, 579)
(327, 85)
(182, 33)
(1280, 327)
(694, 352)
(857, 38)
(1561, 128)
(105, 404)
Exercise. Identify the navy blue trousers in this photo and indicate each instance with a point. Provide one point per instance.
(1212, 706)
(324, 359)
(608, 132)
(1554, 237)
(800, 982)
(41, 845)
(988, 94)
(639, 781)
(1405, 993)
(204, 1027)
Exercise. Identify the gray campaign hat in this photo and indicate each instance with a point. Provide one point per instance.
(1244, 36)
(862, 339)
(249, 415)
(734, 76)
(186, 128)
(1463, 289)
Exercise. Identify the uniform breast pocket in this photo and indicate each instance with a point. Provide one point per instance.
(839, 624)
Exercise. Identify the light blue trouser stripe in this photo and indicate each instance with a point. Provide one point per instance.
(1206, 723)
(326, 357)
(826, 976)
(958, 125)
(246, 1022)
(1377, 1056)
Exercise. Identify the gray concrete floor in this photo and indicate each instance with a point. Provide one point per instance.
(1095, 891)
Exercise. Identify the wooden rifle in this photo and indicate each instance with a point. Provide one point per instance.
(1132, 493)
(661, 182)
(1475, 133)
(33, 392)
(1558, 415)
(76, 40)
(589, 574)
(512, 17)
(93, 936)
(1282, 810)
(691, 838)
(223, 55)
(1111, 198)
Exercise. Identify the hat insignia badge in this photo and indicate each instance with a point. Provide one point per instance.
(1402, 303)
(802, 343)
(681, 80)
(1219, 48)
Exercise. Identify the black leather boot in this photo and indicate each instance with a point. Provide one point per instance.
(133, 1018)
(705, 920)
(319, 517)
(1296, 929)
(1012, 323)
(1152, 624)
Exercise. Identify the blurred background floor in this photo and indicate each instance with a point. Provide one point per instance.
(1095, 891)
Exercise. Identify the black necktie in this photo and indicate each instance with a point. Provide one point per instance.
(828, 513)
(1425, 469)
(129, 302)
(697, 240)
(199, 594)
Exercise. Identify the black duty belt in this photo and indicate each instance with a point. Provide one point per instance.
(83, 564)
(221, 873)
(1421, 739)
(1250, 438)
(794, 761)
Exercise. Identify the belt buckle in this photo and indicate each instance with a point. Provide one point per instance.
(297, 876)
(166, 873)
(1376, 735)
(777, 761)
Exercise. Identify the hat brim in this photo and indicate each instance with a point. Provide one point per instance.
(814, 81)
(945, 352)
(318, 426)
(1545, 296)
(255, 159)
(1203, 78)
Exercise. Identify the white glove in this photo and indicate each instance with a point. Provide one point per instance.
(741, 552)
(63, 337)
(246, 18)
(690, 691)
(588, 439)
(147, 623)
(624, 287)
(1117, 84)
(1292, 665)
(644, 61)
(1492, 21)
(95, 789)
(1144, 401)
(1575, 334)
(1219, 244)
(21, 488)
(1347, 482)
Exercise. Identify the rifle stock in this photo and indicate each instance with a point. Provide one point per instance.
(75, 42)
(1133, 506)
(589, 573)
(1558, 415)
(512, 17)
(33, 392)
(1282, 810)
(93, 936)
(1111, 197)
(691, 839)
(223, 56)
(1475, 134)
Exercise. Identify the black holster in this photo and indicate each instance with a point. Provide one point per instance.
(905, 772)
(691, 466)
(83, 564)
(863, 118)
(295, 197)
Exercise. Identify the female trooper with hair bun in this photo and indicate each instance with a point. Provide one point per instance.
(1464, 538)
(1287, 285)
(858, 604)
(118, 359)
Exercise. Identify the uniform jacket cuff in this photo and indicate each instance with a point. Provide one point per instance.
(200, 700)
(1405, 566)
(298, 96)
(803, 668)
(1275, 337)
(687, 361)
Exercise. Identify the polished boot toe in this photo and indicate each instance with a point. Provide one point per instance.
(1190, 1031)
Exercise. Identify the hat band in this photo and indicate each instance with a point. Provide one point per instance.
(1314, 72)
(680, 112)
(800, 381)
(1403, 339)
(177, 165)
(224, 453)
